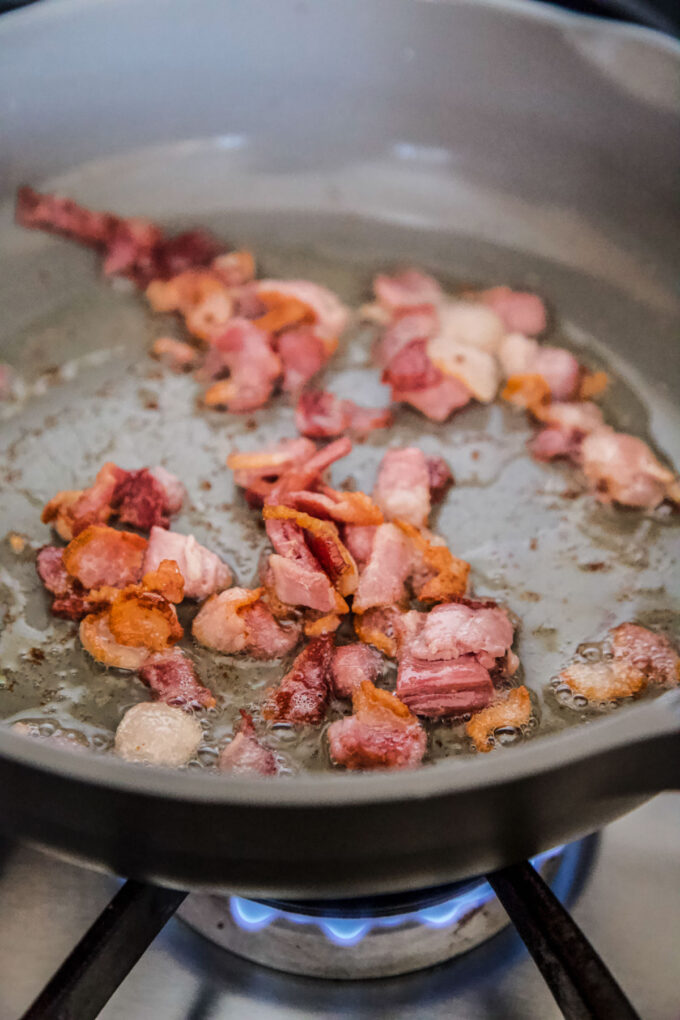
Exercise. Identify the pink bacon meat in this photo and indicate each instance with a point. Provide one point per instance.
(382, 733)
(203, 571)
(245, 754)
(173, 679)
(303, 694)
(321, 415)
(351, 665)
(407, 480)
(437, 689)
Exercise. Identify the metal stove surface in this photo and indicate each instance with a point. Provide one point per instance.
(629, 908)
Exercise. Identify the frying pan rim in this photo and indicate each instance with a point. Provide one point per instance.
(642, 722)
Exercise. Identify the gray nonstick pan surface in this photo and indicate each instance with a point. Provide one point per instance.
(487, 142)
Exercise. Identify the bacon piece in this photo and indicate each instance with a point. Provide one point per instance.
(166, 580)
(560, 369)
(63, 216)
(406, 289)
(303, 694)
(140, 500)
(510, 709)
(103, 556)
(330, 314)
(72, 511)
(646, 651)
(623, 469)
(172, 678)
(438, 401)
(245, 754)
(322, 415)
(526, 390)
(521, 311)
(296, 575)
(316, 624)
(97, 639)
(203, 571)
(144, 619)
(592, 385)
(458, 629)
(403, 486)
(245, 351)
(440, 478)
(175, 354)
(387, 628)
(324, 542)
(476, 368)
(383, 580)
(311, 471)
(359, 540)
(237, 621)
(407, 325)
(302, 355)
(71, 601)
(411, 368)
(600, 682)
(566, 424)
(351, 665)
(436, 574)
(443, 688)
(173, 488)
(283, 311)
(471, 324)
(259, 470)
(517, 354)
(235, 268)
(354, 508)
(158, 734)
(382, 733)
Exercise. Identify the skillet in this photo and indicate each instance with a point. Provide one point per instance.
(489, 142)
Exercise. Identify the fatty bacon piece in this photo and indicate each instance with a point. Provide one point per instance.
(382, 733)
(132, 247)
(520, 311)
(328, 315)
(440, 688)
(408, 481)
(304, 693)
(416, 380)
(245, 351)
(565, 425)
(173, 679)
(383, 580)
(302, 356)
(203, 571)
(409, 288)
(556, 367)
(622, 469)
(509, 710)
(647, 651)
(258, 471)
(71, 600)
(245, 755)
(351, 665)
(460, 628)
(101, 555)
(321, 415)
(237, 620)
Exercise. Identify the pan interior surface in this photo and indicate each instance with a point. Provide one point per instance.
(566, 566)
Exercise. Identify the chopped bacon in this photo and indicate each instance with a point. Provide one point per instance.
(521, 312)
(235, 268)
(176, 354)
(351, 665)
(565, 427)
(324, 541)
(438, 401)
(600, 682)
(173, 488)
(303, 694)
(411, 368)
(297, 578)
(560, 369)
(283, 311)
(322, 415)
(302, 355)
(436, 574)
(237, 621)
(166, 580)
(647, 651)
(245, 754)
(172, 678)
(382, 733)
(458, 629)
(387, 628)
(383, 580)
(510, 709)
(592, 384)
(317, 624)
(73, 511)
(97, 639)
(140, 500)
(471, 324)
(158, 734)
(353, 508)
(71, 601)
(527, 390)
(437, 689)
(311, 470)
(623, 469)
(406, 289)
(259, 470)
(330, 314)
(517, 354)
(144, 619)
(403, 486)
(407, 325)
(246, 352)
(203, 571)
(359, 540)
(440, 478)
(474, 367)
(103, 556)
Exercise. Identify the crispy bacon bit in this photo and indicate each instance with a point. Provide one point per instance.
(103, 556)
(172, 678)
(458, 629)
(353, 508)
(406, 289)
(474, 367)
(382, 733)
(510, 709)
(175, 354)
(237, 621)
(303, 694)
(623, 469)
(351, 665)
(144, 619)
(258, 471)
(173, 488)
(165, 580)
(385, 628)
(321, 415)
(565, 427)
(158, 734)
(97, 639)
(407, 325)
(444, 688)
(312, 470)
(383, 580)
(316, 624)
(73, 511)
(438, 401)
(302, 355)
(203, 571)
(520, 311)
(593, 384)
(437, 575)
(330, 314)
(245, 351)
(283, 311)
(245, 754)
(528, 391)
(646, 651)
(324, 541)
(603, 681)
(403, 486)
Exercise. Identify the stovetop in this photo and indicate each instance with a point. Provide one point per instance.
(629, 908)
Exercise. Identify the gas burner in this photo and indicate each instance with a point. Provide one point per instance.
(367, 938)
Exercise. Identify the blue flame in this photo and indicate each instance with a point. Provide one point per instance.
(349, 931)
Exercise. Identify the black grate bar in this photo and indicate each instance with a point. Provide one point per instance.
(106, 953)
(581, 985)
